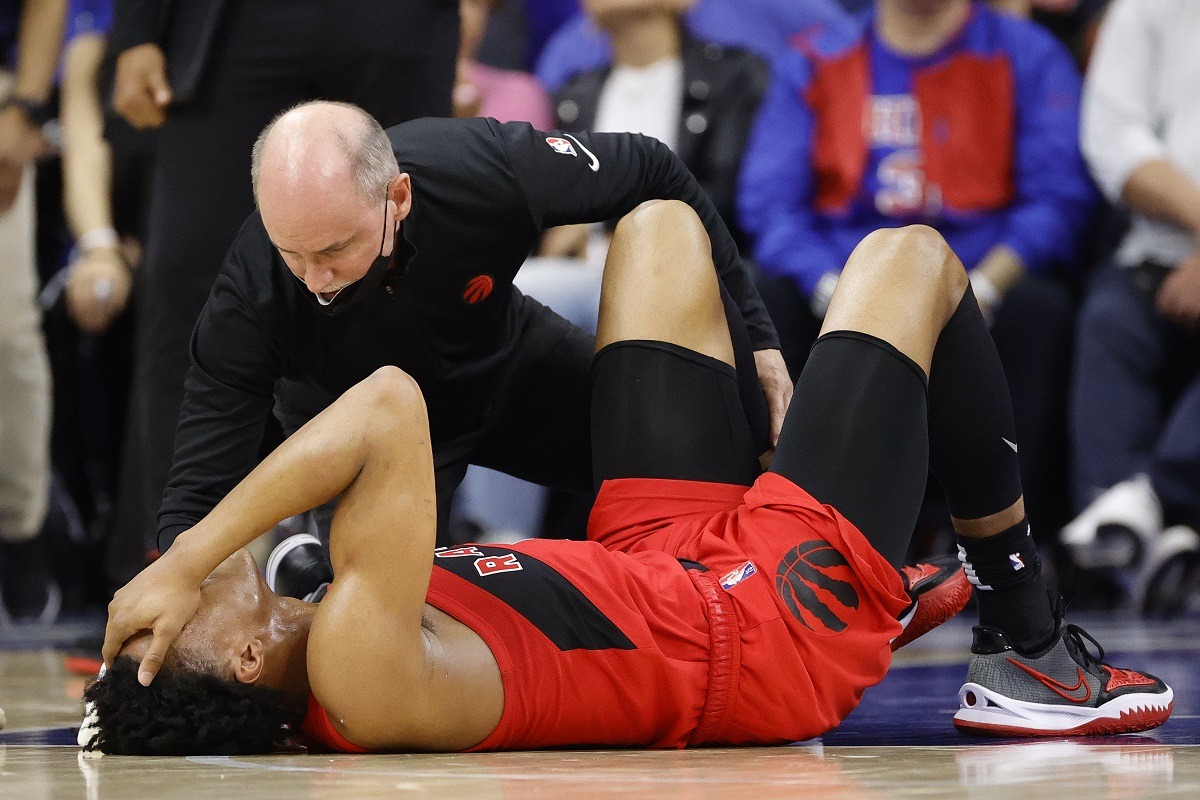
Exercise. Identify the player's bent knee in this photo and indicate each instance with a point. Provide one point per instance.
(660, 224)
(915, 256)
(390, 391)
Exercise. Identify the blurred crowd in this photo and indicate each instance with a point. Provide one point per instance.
(1054, 143)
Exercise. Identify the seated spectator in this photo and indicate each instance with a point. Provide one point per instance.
(1136, 399)
(699, 99)
(762, 26)
(952, 114)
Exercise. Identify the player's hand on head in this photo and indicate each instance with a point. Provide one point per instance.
(161, 599)
(777, 387)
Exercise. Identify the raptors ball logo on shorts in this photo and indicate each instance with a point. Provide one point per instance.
(478, 289)
(807, 587)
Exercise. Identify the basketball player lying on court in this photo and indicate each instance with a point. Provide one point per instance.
(711, 604)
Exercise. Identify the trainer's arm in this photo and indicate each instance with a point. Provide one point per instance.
(228, 395)
(606, 178)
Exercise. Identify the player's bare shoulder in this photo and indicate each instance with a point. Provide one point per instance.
(439, 689)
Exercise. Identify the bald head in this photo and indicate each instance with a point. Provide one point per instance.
(321, 149)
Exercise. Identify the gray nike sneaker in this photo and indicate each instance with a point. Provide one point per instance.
(1065, 689)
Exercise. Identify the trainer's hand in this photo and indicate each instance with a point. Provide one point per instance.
(161, 599)
(777, 387)
(141, 92)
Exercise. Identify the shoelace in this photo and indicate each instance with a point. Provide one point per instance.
(1077, 635)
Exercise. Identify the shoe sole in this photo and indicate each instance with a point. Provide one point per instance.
(984, 712)
(281, 551)
(935, 606)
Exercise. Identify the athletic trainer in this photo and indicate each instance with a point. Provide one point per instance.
(374, 249)
(710, 605)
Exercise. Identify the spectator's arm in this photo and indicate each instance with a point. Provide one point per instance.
(777, 185)
(38, 45)
(39, 38)
(87, 161)
(1158, 189)
(99, 283)
(1123, 149)
(1054, 195)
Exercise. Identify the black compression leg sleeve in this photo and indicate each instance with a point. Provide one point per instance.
(972, 436)
(973, 454)
(854, 436)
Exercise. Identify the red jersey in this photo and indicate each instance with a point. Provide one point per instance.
(696, 613)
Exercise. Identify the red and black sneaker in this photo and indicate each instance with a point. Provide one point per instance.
(939, 589)
(1065, 689)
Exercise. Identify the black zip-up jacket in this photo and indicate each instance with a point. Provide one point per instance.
(482, 194)
(722, 90)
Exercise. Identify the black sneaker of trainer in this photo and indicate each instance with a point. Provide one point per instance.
(297, 566)
(1065, 689)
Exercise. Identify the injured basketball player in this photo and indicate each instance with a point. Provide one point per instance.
(712, 603)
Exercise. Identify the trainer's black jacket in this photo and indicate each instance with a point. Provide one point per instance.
(482, 194)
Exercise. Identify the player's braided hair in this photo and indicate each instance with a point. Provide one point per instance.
(187, 710)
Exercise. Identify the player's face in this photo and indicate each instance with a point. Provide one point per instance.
(230, 601)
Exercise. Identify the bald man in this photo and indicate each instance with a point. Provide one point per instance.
(399, 248)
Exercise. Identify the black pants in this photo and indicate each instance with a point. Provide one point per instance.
(856, 437)
(395, 59)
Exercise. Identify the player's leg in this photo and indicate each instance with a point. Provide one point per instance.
(839, 444)
(855, 436)
(665, 400)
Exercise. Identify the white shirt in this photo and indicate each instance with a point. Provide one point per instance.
(1141, 102)
(647, 100)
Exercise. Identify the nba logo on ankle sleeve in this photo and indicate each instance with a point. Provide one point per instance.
(1015, 560)
(478, 289)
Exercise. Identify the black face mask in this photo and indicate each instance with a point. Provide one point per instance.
(351, 294)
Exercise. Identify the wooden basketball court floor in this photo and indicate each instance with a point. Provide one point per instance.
(898, 744)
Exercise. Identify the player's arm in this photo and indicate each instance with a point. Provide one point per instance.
(369, 659)
(376, 430)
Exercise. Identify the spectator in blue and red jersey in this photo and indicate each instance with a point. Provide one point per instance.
(943, 112)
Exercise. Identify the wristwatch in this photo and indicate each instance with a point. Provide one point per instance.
(39, 113)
